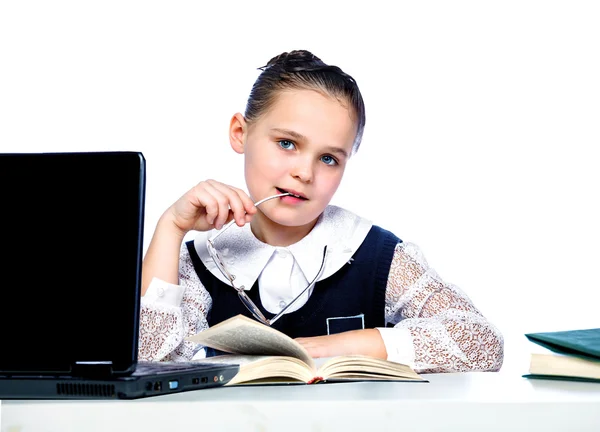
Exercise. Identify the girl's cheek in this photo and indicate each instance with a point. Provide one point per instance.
(330, 182)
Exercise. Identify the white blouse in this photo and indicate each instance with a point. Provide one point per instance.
(436, 326)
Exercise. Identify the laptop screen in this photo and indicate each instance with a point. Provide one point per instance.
(71, 227)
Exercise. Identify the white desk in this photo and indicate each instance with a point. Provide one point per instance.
(471, 401)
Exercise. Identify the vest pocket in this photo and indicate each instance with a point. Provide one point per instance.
(343, 324)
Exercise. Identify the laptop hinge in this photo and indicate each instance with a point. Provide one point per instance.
(92, 368)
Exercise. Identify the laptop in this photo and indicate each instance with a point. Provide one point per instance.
(71, 242)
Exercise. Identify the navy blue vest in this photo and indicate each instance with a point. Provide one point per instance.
(357, 288)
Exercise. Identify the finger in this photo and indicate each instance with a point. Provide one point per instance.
(235, 201)
(307, 343)
(214, 203)
(315, 351)
(318, 346)
(222, 203)
(204, 202)
(248, 203)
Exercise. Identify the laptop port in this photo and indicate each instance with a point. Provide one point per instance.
(158, 386)
(195, 381)
(204, 380)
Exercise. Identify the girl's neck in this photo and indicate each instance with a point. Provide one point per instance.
(267, 231)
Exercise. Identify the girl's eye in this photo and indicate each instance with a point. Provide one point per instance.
(286, 145)
(328, 160)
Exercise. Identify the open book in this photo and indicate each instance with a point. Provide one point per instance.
(266, 355)
(567, 355)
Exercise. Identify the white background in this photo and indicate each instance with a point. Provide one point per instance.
(482, 122)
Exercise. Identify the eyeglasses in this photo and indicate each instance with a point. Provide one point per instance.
(219, 262)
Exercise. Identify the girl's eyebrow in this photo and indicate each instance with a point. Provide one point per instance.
(341, 152)
(299, 137)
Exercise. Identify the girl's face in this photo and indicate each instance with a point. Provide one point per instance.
(301, 145)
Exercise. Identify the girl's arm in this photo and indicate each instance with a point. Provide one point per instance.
(207, 205)
(366, 342)
(171, 312)
(436, 324)
(162, 257)
(437, 327)
(175, 303)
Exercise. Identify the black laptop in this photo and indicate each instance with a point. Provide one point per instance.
(71, 246)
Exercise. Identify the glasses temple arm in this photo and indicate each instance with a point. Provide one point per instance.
(276, 317)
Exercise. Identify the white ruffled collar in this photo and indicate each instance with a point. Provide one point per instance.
(245, 256)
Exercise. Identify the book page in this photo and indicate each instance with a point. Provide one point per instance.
(241, 335)
(364, 367)
(564, 365)
(241, 359)
(264, 369)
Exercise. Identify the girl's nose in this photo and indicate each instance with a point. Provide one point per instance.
(303, 171)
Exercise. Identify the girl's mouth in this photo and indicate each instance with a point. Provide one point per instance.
(293, 193)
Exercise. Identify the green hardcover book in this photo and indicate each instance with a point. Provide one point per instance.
(574, 355)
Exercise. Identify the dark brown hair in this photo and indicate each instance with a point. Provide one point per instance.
(303, 70)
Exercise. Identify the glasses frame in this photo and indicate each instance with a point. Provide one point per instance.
(246, 301)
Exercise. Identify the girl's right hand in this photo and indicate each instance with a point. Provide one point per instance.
(211, 204)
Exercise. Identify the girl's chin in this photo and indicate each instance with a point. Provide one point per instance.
(289, 218)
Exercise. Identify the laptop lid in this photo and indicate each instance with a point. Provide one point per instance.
(71, 239)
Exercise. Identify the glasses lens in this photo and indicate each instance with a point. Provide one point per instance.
(241, 294)
(252, 307)
(218, 261)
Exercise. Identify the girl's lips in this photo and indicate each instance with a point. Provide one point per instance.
(297, 195)
(290, 199)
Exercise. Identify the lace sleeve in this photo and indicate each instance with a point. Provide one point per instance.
(449, 334)
(163, 327)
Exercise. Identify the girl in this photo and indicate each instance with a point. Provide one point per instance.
(329, 278)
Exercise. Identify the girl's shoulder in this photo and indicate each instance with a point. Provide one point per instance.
(344, 225)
